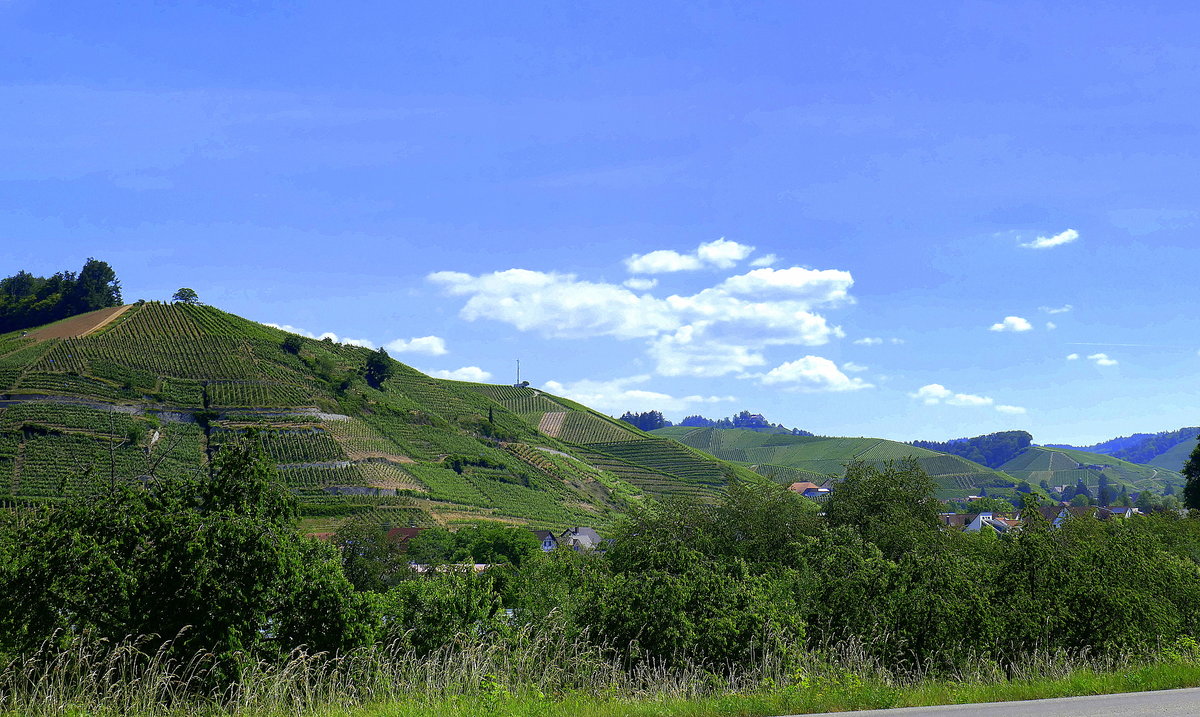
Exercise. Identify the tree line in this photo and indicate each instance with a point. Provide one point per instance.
(651, 420)
(992, 450)
(27, 300)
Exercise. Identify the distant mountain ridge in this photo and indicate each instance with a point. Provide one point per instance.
(1173, 447)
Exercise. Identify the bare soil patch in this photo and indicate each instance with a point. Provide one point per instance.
(80, 325)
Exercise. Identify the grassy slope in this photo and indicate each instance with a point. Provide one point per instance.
(1062, 466)
(788, 458)
(344, 446)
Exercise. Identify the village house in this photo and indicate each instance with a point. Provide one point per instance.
(547, 539)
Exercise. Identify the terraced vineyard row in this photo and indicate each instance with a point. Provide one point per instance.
(789, 475)
(290, 446)
(231, 394)
(667, 457)
(199, 358)
(585, 429)
(69, 416)
(153, 320)
(67, 384)
(357, 436)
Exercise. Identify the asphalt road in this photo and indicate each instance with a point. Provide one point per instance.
(1165, 703)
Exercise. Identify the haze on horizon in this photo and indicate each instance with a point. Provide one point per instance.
(911, 222)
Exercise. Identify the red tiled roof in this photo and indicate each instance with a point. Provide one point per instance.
(803, 486)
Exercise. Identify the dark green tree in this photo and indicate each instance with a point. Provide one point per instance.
(370, 560)
(292, 344)
(1191, 472)
(186, 296)
(96, 287)
(379, 368)
(891, 506)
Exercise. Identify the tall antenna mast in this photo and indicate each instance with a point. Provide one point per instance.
(518, 371)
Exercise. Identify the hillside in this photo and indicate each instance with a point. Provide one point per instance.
(1066, 466)
(787, 458)
(156, 387)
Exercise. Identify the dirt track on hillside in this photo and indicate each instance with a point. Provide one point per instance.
(80, 325)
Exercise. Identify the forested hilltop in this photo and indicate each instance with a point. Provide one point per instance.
(27, 300)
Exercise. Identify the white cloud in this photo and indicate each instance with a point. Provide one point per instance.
(720, 253)
(429, 345)
(662, 261)
(896, 341)
(723, 253)
(765, 260)
(365, 343)
(851, 367)
(869, 341)
(558, 305)
(1041, 242)
(812, 374)
(618, 395)
(719, 330)
(932, 393)
(1050, 326)
(640, 284)
(1012, 323)
(935, 393)
(1072, 357)
(1056, 310)
(466, 373)
(1102, 360)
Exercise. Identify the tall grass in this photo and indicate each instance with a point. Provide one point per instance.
(529, 672)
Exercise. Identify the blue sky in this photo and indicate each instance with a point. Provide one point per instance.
(819, 213)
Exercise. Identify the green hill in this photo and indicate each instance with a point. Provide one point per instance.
(1066, 466)
(787, 458)
(154, 388)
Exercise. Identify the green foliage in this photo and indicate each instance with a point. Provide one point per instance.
(426, 613)
(490, 543)
(370, 560)
(891, 507)
(214, 559)
(378, 369)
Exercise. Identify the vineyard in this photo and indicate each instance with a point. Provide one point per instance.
(194, 378)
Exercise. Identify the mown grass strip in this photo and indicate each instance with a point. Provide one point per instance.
(847, 695)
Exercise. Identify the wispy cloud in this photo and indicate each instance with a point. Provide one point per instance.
(365, 343)
(1056, 309)
(1103, 360)
(1059, 239)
